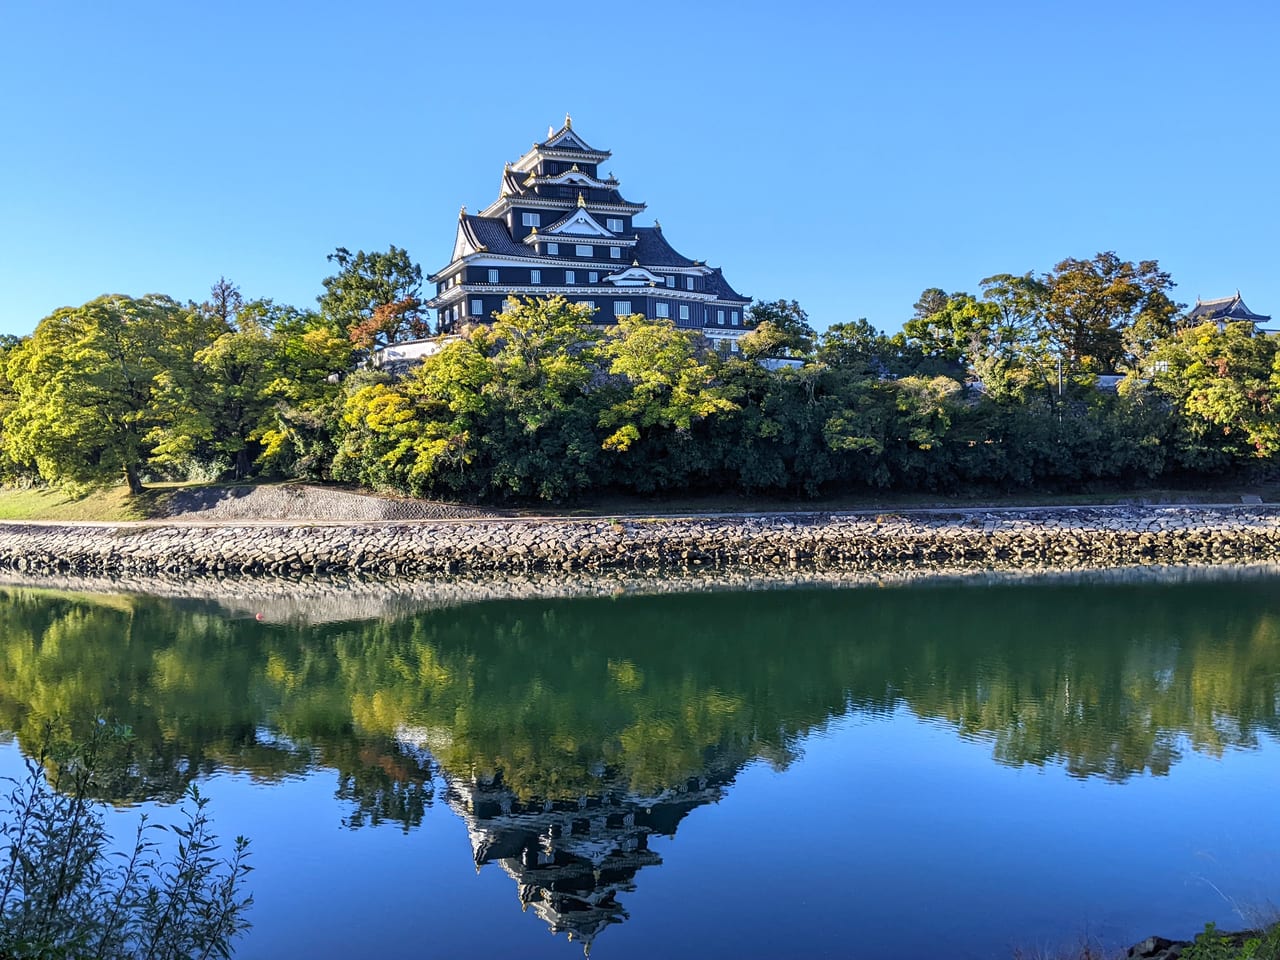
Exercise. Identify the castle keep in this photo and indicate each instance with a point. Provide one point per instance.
(559, 228)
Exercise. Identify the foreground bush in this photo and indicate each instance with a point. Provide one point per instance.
(64, 893)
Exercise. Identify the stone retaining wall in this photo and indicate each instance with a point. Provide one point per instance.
(964, 539)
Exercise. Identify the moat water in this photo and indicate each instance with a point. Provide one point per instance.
(909, 771)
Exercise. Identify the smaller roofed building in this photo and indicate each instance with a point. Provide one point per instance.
(1225, 310)
(562, 228)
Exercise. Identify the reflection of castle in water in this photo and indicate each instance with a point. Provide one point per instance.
(572, 858)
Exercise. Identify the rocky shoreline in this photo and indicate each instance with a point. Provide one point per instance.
(966, 539)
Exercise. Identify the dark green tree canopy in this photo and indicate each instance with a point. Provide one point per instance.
(375, 298)
(988, 392)
(782, 329)
(1087, 305)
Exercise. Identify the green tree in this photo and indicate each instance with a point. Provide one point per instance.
(780, 328)
(804, 430)
(503, 412)
(11, 470)
(305, 365)
(542, 436)
(960, 329)
(382, 434)
(213, 409)
(374, 298)
(930, 301)
(86, 383)
(217, 411)
(1020, 361)
(1225, 385)
(862, 349)
(225, 303)
(1090, 307)
(671, 381)
(920, 450)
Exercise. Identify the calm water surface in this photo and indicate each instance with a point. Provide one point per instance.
(845, 773)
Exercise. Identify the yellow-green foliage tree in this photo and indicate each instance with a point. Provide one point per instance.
(672, 380)
(11, 470)
(504, 411)
(1225, 385)
(307, 359)
(85, 385)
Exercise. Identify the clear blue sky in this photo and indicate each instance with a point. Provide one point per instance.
(843, 155)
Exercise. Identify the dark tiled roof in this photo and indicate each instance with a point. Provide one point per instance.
(551, 191)
(580, 146)
(717, 284)
(619, 198)
(652, 250)
(492, 233)
(511, 183)
(582, 237)
(1225, 308)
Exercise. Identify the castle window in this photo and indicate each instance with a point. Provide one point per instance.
(531, 219)
(733, 318)
(661, 310)
(565, 191)
(720, 317)
(569, 277)
(589, 303)
(684, 311)
(615, 226)
(622, 308)
(615, 252)
(671, 281)
(733, 345)
(535, 276)
(493, 276)
(477, 308)
(688, 283)
(593, 277)
(584, 250)
(553, 249)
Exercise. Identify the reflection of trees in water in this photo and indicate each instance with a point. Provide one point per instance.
(198, 692)
(554, 697)
(566, 734)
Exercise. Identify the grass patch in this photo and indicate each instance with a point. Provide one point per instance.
(43, 503)
(107, 504)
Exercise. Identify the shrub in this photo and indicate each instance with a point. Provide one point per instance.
(65, 894)
(1212, 945)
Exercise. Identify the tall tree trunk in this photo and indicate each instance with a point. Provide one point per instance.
(131, 475)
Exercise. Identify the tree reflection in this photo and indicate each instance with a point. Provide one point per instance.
(567, 733)
(555, 698)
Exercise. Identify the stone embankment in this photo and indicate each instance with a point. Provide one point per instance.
(1064, 538)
